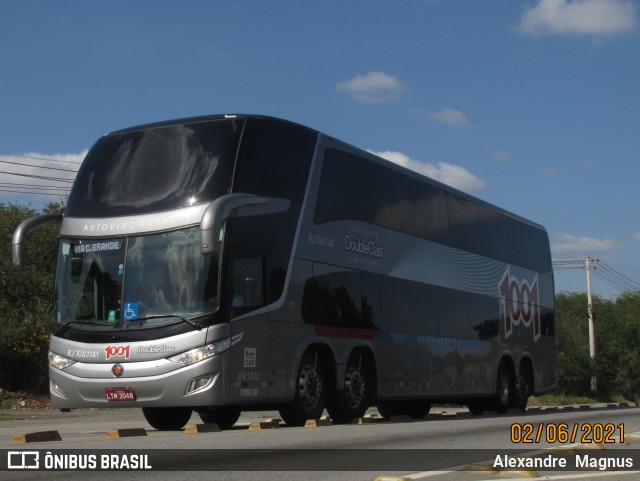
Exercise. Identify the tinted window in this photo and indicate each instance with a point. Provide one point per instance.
(453, 313)
(354, 188)
(336, 300)
(541, 252)
(246, 283)
(518, 235)
(344, 192)
(547, 322)
(391, 303)
(430, 213)
(493, 233)
(273, 245)
(419, 309)
(484, 316)
(155, 169)
(463, 224)
(391, 199)
(274, 160)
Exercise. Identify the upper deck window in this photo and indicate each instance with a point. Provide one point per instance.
(156, 169)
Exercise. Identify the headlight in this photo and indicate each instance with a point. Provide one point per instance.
(205, 352)
(58, 361)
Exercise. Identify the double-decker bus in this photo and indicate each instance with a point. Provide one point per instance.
(238, 262)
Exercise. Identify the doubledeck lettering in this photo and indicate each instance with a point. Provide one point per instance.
(363, 246)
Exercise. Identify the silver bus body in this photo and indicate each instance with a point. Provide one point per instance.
(365, 284)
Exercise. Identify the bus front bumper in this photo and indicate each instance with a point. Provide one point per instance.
(102, 385)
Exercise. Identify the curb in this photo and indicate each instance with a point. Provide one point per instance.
(39, 437)
(126, 433)
(202, 428)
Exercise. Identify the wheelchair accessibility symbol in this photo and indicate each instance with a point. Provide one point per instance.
(130, 311)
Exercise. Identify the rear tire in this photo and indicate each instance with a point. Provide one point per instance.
(523, 390)
(353, 400)
(223, 417)
(311, 394)
(419, 409)
(477, 407)
(504, 389)
(167, 419)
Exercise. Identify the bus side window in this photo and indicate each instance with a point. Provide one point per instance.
(247, 284)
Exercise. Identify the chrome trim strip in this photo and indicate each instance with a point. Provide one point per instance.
(138, 224)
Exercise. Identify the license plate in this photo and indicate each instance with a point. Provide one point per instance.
(120, 394)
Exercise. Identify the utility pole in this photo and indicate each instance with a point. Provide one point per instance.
(592, 339)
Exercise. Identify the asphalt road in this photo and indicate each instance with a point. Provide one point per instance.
(449, 445)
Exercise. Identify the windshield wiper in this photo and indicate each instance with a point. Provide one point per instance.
(66, 326)
(195, 325)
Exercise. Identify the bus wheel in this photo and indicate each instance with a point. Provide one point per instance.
(476, 407)
(310, 396)
(352, 401)
(523, 391)
(503, 389)
(388, 408)
(167, 419)
(223, 417)
(419, 409)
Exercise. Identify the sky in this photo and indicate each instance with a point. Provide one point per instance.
(532, 105)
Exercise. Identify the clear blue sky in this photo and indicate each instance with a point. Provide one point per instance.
(533, 105)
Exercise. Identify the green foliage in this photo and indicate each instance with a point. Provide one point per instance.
(617, 341)
(25, 301)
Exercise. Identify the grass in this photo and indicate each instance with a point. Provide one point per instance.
(568, 400)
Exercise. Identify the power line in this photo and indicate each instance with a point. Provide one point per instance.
(615, 279)
(34, 189)
(42, 177)
(618, 274)
(601, 270)
(49, 159)
(566, 264)
(37, 166)
(34, 193)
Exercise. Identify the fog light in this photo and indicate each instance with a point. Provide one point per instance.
(55, 387)
(199, 384)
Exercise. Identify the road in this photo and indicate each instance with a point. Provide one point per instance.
(449, 445)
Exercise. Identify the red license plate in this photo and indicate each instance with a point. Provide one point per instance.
(120, 394)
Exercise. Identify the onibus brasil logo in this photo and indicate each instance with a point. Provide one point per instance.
(520, 304)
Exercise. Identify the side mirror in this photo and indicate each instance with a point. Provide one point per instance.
(20, 234)
(233, 205)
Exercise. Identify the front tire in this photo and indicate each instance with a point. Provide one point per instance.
(167, 419)
(311, 395)
(223, 417)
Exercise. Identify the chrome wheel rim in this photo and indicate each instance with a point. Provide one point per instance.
(310, 387)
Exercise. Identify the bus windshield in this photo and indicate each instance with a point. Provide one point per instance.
(134, 282)
(155, 169)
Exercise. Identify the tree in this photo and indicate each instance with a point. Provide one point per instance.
(574, 372)
(617, 335)
(26, 301)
